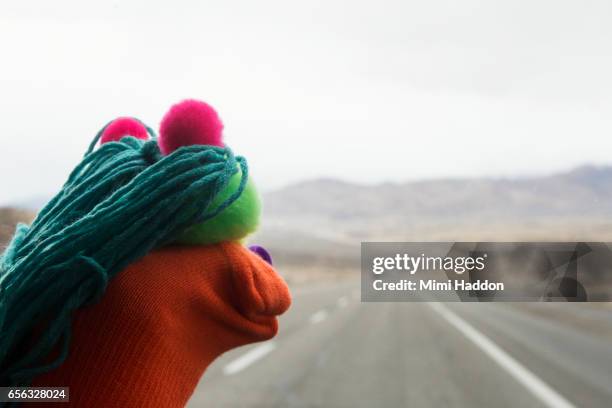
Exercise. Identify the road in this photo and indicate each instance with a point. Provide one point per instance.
(335, 351)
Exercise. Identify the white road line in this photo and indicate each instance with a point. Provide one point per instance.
(342, 302)
(318, 317)
(539, 388)
(248, 358)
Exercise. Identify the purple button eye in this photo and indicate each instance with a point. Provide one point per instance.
(262, 252)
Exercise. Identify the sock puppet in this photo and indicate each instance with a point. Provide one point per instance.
(133, 279)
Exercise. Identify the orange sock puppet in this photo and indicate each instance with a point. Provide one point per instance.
(155, 282)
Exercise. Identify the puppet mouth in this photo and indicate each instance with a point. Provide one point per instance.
(261, 292)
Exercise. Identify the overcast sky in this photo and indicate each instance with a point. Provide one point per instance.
(365, 91)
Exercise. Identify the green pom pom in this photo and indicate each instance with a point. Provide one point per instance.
(232, 224)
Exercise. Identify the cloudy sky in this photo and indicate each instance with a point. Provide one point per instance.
(365, 91)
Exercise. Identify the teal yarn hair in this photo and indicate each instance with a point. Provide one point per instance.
(123, 200)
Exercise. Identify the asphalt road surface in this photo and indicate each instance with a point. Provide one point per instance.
(335, 351)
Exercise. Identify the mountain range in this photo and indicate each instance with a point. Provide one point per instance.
(322, 222)
(335, 216)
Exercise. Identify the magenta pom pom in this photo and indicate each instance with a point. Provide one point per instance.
(187, 123)
(121, 127)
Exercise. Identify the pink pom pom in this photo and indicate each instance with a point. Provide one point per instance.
(121, 127)
(187, 123)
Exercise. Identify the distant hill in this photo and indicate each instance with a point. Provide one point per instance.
(9, 217)
(576, 205)
(322, 222)
(584, 190)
